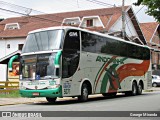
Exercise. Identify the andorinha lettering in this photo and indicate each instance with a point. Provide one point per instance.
(106, 59)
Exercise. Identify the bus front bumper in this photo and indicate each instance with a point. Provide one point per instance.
(52, 93)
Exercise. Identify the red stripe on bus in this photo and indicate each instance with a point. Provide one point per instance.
(104, 68)
(131, 69)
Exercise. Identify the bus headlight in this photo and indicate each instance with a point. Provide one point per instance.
(22, 88)
(54, 86)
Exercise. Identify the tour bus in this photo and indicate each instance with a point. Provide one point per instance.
(73, 62)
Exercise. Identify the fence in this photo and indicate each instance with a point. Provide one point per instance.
(8, 86)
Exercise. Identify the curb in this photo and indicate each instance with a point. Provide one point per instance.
(15, 103)
(67, 98)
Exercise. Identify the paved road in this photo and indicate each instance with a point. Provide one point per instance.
(149, 101)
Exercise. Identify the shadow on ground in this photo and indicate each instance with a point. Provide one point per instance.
(91, 99)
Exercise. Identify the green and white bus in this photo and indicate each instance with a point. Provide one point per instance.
(73, 62)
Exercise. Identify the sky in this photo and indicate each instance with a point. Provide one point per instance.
(56, 6)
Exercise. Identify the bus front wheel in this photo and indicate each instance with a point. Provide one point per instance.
(51, 100)
(84, 93)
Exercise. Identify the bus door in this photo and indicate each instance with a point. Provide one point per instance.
(70, 62)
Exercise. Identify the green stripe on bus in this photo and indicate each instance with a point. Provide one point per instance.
(106, 78)
(57, 58)
(98, 73)
(104, 83)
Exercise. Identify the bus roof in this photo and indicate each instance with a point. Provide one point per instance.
(85, 30)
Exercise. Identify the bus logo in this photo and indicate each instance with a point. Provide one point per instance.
(73, 34)
(106, 59)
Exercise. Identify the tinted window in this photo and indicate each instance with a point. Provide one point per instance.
(42, 41)
(99, 44)
(88, 42)
(132, 51)
(138, 52)
(122, 48)
(71, 53)
(146, 54)
(110, 47)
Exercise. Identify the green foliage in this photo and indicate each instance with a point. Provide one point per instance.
(153, 7)
(13, 94)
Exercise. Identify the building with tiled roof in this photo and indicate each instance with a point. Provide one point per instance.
(13, 31)
(151, 31)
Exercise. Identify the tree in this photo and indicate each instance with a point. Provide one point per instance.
(153, 7)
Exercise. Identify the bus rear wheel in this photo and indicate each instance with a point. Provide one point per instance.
(51, 100)
(139, 89)
(84, 93)
(134, 89)
(133, 92)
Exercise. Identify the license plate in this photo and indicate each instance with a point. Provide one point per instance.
(36, 94)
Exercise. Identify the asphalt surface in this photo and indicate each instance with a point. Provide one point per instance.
(148, 101)
(14, 101)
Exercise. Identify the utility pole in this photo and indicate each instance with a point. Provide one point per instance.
(123, 20)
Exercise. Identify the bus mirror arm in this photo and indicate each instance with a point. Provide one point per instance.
(57, 71)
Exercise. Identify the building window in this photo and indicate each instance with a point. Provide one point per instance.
(12, 26)
(8, 45)
(90, 23)
(20, 46)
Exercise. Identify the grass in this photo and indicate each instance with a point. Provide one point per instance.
(148, 90)
(12, 94)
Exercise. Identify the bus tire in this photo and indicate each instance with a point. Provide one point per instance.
(134, 89)
(133, 92)
(139, 89)
(84, 93)
(51, 100)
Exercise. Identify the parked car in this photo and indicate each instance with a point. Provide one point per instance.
(155, 80)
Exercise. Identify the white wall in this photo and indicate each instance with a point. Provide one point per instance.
(97, 23)
(4, 51)
(130, 30)
(2, 48)
(3, 71)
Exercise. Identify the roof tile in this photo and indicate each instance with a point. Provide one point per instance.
(49, 20)
(148, 29)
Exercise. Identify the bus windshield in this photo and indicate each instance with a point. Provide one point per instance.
(38, 67)
(43, 41)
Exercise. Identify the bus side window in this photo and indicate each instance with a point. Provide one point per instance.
(71, 53)
(88, 42)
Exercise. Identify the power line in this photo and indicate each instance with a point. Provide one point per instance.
(30, 16)
(3, 4)
(134, 15)
(100, 3)
(17, 8)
